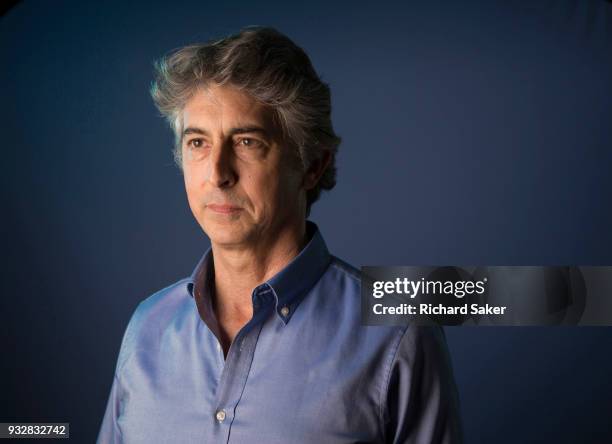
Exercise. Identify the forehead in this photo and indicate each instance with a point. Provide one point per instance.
(216, 105)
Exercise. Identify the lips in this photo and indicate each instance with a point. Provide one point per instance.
(223, 209)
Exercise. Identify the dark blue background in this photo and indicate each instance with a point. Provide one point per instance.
(473, 133)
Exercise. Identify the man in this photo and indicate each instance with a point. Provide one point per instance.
(263, 342)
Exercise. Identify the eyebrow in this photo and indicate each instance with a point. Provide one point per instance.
(231, 132)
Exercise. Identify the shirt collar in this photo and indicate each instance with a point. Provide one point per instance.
(288, 286)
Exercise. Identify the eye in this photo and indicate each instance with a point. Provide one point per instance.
(249, 142)
(196, 143)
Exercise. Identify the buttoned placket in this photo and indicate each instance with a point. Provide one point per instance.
(237, 364)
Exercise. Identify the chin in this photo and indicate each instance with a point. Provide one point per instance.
(225, 233)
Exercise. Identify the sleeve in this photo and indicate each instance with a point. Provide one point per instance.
(109, 431)
(421, 404)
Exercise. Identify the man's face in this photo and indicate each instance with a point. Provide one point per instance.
(243, 183)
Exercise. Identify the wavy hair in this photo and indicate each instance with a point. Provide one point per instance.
(268, 66)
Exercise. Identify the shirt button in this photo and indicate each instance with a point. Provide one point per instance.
(285, 310)
(220, 415)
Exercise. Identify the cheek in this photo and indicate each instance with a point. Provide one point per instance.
(259, 188)
(290, 183)
(192, 189)
(287, 192)
(263, 191)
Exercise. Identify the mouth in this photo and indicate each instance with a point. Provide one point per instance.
(224, 209)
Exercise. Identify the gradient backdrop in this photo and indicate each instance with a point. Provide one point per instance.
(473, 133)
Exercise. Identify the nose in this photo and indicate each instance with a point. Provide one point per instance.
(222, 172)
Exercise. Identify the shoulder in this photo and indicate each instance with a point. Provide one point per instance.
(152, 316)
(404, 342)
(341, 298)
(342, 278)
(171, 295)
(339, 289)
(346, 278)
(345, 269)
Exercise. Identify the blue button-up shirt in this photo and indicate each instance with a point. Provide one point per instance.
(302, 370)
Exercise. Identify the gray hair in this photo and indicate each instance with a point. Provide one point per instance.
(272, 69)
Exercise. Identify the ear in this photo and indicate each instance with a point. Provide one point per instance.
(316, 170)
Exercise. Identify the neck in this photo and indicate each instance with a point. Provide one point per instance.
(238, 270)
